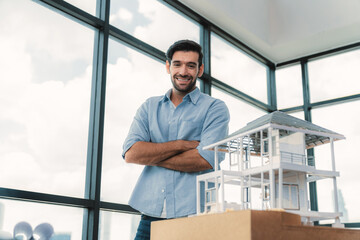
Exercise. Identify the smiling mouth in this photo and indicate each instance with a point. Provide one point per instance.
(183, 79)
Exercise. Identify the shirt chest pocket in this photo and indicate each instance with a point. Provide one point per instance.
(190, 130)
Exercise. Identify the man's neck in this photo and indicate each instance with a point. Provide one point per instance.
(177, 97)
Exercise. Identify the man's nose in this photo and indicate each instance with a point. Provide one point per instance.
(183, 70)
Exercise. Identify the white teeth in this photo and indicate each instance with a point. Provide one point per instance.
(183, 80)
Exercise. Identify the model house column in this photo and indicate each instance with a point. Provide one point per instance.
(334, 178)
(280, 188)
(271, 171)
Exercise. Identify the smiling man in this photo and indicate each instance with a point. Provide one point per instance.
(167, 136)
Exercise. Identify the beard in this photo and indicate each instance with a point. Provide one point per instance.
(187, 89)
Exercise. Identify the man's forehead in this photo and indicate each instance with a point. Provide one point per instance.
(188, 56)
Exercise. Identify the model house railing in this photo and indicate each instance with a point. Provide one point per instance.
(294, 158)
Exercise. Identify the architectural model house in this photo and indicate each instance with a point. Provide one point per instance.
(268, 168)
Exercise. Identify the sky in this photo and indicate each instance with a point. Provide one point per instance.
(45, 82)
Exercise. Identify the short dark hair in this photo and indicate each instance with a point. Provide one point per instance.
(184, 45)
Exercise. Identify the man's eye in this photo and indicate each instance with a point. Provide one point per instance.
(191, 66)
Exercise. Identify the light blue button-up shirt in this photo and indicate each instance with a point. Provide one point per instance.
(199, 117)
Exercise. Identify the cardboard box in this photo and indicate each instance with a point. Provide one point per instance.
(246, 225)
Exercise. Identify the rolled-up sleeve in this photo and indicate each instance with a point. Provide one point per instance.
(139, 129)
(215, 128)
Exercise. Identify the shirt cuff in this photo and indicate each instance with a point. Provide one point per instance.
(209, 156)
(127, 146)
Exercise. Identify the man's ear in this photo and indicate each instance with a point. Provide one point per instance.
(167, 66)
(201, 70)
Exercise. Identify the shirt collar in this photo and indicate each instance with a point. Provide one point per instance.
(193, 96)
(166, 96)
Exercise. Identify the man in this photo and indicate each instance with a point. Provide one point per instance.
(167, 136)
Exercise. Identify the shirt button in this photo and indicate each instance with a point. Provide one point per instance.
(162, 190)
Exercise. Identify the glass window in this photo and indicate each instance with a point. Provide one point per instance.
(152, 22)
(342, 119)
(299, 115)
(289, 89)
(132, 78)
(241, 113)
(44, 99)
(85, 5)
(66, 222)
(114, 226)
(335, 76)
(233, 67)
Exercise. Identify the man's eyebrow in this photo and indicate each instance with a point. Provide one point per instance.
(178, 61)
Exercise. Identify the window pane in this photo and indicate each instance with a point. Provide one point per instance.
(299, 115)
(65, 221)
(342, 118)
(289, 87)
(335, 76)
(44, 99)
(230, 65)
(114, 226)
(152, 22)
(241, 113)
(132, 78)
(85, 5)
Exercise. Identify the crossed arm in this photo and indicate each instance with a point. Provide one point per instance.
(179, 155)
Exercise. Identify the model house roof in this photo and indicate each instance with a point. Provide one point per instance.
(283, 119)
(314, 134)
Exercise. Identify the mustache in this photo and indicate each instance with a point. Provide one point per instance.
(184, 76)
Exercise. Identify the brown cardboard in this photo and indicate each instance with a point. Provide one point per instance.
(246, 225)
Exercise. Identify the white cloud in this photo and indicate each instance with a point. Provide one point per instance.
(122, 14)
(238, 70)
(125, 14)
(89, 6)
(336, 76)
(19, 166)
(289, 89)
(237, 108)
(50, 118)
(165, 27)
